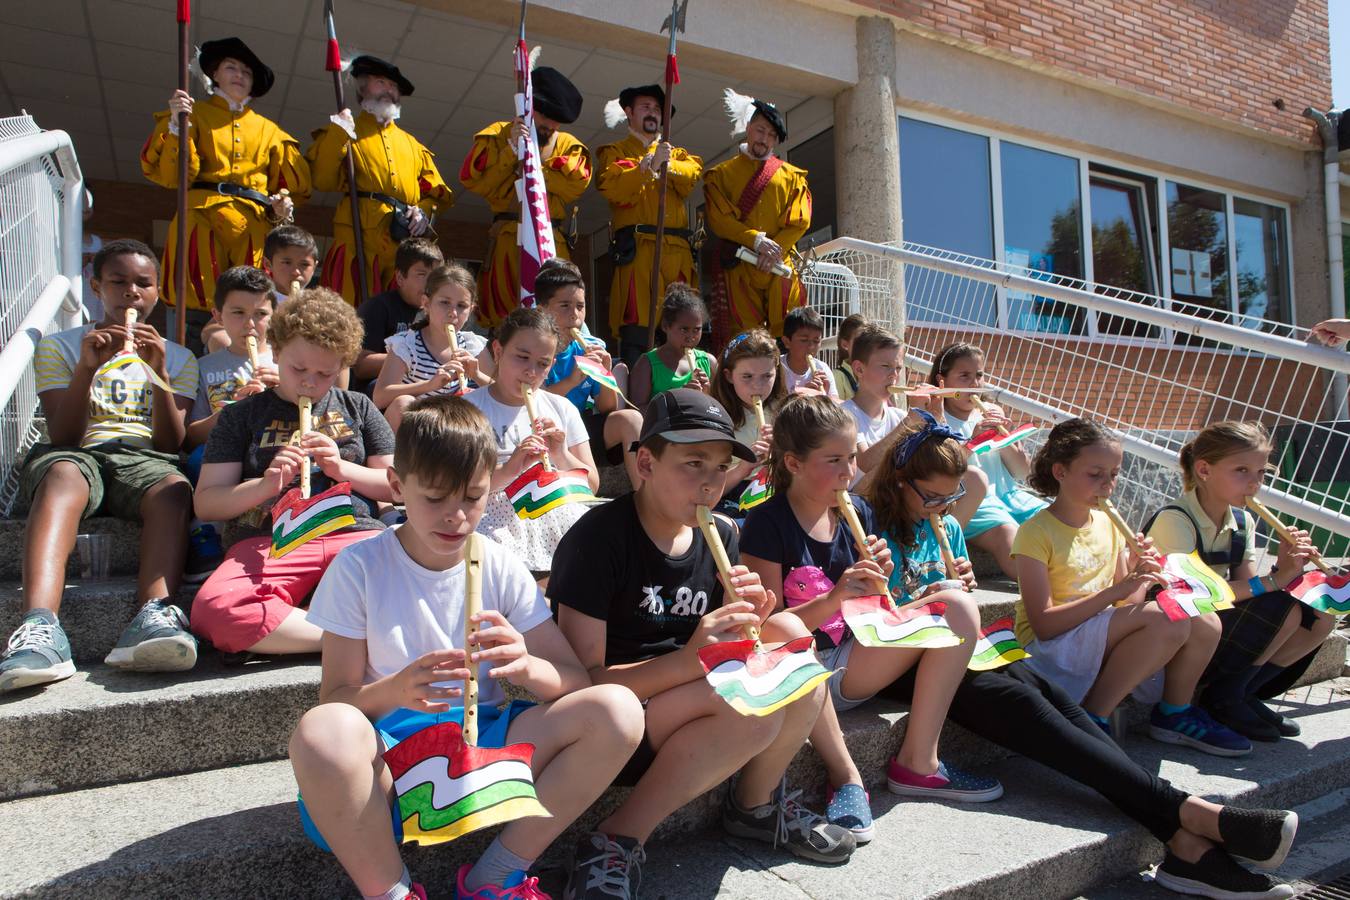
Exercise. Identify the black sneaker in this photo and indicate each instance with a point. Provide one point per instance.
(1215, 875)
(204, 554)
(1242, 719)
(785, 823)
(1286, 726)
(605, 867)
(1262, 837)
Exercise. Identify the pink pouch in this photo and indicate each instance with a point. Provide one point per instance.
(807, 583)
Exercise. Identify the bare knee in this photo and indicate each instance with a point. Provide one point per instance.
(333, 735)
(963, 613)
(171, 494)
(63, 481)
(1173, 633)
(785, 626)
(1206, 629)
(619, 714)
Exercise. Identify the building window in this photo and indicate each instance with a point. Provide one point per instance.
(816, 156)
(946, 202)
(1262, 265)
(1041, 231)
(1197, 235)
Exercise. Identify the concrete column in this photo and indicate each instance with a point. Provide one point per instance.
(867, 156)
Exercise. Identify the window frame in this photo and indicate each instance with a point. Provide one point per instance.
(1160, 178)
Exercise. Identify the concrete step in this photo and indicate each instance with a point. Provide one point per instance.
(93, 613)
(125, 552)
(234, 832)
(150, 725)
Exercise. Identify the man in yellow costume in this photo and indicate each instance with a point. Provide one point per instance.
(238, 165)
(629, 173)
(491, 170)
(400, 190)
(761, 205)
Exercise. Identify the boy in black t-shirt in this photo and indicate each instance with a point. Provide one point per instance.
(385, 315)
(637, 594)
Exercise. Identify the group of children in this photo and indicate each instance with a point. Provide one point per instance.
(598, 610)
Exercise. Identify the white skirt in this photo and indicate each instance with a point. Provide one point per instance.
(1074, 659)
(532, 541)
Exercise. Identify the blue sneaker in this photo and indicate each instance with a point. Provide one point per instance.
(157, 640)
(1193, 727)
(204, 553)
(848, 808)
(38, 653)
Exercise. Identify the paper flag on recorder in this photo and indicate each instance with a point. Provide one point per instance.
(447, 788)
(761, 683)
(598, 373)
(991, 441)
(876, 622)
(1323, 592)
(1193, 588)
(296, 520)
(538, 490)
(757, 491)
(124, 360)
(996, 647)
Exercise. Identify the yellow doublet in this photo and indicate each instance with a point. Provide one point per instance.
(490, 171)
(633, 194)
(241, 148)
(783, 213)
(388, 161)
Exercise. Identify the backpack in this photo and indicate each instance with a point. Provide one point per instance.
(1237, 541)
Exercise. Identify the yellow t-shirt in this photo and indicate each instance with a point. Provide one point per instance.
(1172, 533)
(1080, 561)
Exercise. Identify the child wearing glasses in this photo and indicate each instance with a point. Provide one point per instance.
(801, 548)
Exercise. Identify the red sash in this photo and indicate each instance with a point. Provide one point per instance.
(724, 253)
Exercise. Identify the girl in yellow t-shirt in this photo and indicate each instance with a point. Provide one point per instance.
(1083, 613)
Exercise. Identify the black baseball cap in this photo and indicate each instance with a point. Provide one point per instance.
(687, 416)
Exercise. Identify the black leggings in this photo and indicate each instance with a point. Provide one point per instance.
(1018, 709)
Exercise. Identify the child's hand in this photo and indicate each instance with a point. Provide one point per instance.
(268, 375)
(150, 347)
(749, 588)
(528, 452)
(468, 364)
(820, 380)
(324, 451)
(722, 624)
(601, 355)
(965, 570)
(445, 375)
(881, 553)
(248, 389)
(497, 642)
(419, 686)
(554, 438)
(994, 417)
(699, 380)
(862, 579)
(284, 468)
(762, 448)
(1145, 568)
(101, 345)
(921, 397)
(1292, 558)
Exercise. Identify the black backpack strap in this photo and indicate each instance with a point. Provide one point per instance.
(1195, 526)
(1237, 541)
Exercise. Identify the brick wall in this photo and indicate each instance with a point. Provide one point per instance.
(1227, 58)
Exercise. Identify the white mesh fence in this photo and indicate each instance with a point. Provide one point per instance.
(1153, 369)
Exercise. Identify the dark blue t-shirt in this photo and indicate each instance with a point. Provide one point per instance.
(771, 532)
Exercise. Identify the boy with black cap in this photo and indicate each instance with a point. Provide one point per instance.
(629, 177)
(238, 164)
(490, 171)
(636, 592)
(398, 186)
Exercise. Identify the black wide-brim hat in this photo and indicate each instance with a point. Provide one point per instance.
(212, 53)
(555, 96)
(373, 65)
(774, 117)
(628, 96)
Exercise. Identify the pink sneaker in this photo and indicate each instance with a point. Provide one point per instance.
(947, 783)
(418, 891)
(526, 890)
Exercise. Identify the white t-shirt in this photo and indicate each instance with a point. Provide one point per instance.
(511, 424)
(793, 381)
(374, 591)
(873, 431)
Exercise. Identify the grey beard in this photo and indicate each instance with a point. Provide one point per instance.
(384, 110)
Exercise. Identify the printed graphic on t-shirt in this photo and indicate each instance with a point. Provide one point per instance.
(278, 432)
(1093, 571)
(119, 402)
(221, 388)
(670, 604)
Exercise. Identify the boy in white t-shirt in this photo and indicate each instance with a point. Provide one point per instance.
(803, 372)
(394, 660)
(876, 357)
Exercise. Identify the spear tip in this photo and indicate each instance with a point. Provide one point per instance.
(676, 20)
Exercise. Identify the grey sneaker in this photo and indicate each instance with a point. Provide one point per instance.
(604, 867)
(157, 640)
(38, 653)
(785, 823)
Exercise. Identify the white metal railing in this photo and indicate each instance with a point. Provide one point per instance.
(41, 204)
(1166, 369)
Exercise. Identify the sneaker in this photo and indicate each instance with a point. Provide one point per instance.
(204, 553)
(38, 653)
(947, 783)
(520, 888)
(157, 640)
(604, 866)
(1286, 726)
(417, 892)
(1216, 875)
(785, 823)
(1244, 720)
(848, 808)
(1193, 727)
(1262, 837)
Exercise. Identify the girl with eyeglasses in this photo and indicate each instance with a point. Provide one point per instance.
(801, 548)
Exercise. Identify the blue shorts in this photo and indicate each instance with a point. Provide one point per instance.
(1012, 508)
(401, 724)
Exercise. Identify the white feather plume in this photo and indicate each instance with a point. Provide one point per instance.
(534, 56)
(740, 109)
(195, 67)
(614, 114)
